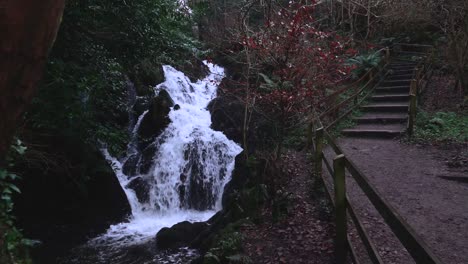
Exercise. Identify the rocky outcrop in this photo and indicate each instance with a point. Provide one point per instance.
(227, 116)
(147, 75)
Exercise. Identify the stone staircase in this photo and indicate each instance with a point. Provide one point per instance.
(386, 114)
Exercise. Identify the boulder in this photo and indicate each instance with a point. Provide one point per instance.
(179, 235)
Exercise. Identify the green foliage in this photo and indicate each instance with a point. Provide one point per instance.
(83, 99)
(13, 246)
(228, 247)
(345, 123)
(441, 126)
(296, 137)
(364, 63)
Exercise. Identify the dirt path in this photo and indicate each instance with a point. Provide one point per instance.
(304, 234)
(414, 180)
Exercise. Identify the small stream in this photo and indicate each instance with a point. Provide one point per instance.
(189, 169)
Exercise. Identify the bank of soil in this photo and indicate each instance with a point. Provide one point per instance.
(305, 233)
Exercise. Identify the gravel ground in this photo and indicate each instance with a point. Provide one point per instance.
(414, 180)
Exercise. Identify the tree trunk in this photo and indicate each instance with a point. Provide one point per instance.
(28, 29)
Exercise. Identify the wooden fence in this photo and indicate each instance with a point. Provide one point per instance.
(415, 245)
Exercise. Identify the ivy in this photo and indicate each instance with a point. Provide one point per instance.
(13, 245)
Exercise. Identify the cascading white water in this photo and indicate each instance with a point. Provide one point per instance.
(190, 168)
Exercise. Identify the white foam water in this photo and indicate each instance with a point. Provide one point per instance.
(190, 168)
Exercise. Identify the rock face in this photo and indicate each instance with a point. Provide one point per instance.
(146, 75)
(181, 234)
(227, 116)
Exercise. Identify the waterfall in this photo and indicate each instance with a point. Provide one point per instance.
(189, 169)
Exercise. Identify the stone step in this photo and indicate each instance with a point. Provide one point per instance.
(411, 53)
(381, 118)
(403, 61)
(386, 107)
(372, 130)
(401, 71)
(390, 97)
(392, 83)
(393, 90)
(403, 64)
(394, 77)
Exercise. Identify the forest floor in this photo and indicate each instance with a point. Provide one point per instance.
(303, 234)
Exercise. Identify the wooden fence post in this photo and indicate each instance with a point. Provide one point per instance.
(310, 136)
(414, 87)
(412, 107)
(341, 244)
(318, 151)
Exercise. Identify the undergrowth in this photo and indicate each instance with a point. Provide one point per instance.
(441, 126)
(228, 247)
(13, 245)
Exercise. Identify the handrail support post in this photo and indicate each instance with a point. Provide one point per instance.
(318, 151)
(341, 242)
(412, 107)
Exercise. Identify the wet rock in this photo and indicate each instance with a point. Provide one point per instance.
(179, 235)
(147, 157)
(195, 69)
(157, 118)
(130, 166)
(142, 103)
(199, 195)
(141, 189)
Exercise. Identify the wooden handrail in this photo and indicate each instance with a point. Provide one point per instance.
(420, 74)
(380, 68)
(415, 245)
